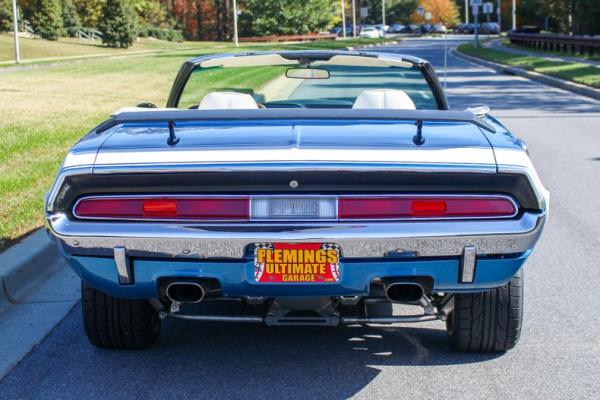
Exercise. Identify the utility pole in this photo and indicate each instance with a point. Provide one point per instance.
(383, 12)
(16, 31)
(344, 18)
(353, 18)
(499, 14)
(514, 14)
(235, 28)
(466, 11)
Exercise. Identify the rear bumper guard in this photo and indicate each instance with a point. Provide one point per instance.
(356, 240)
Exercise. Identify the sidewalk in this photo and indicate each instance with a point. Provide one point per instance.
(497, 45)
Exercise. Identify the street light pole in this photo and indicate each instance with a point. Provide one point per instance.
(235, 27)
(514, 14)
(499, 13)
(344, 18)
(16, 31)
(383, 12)
(353, 18)
(466, 11)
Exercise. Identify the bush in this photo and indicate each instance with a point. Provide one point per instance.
(171, 35)
(47, 19)
(118, 24)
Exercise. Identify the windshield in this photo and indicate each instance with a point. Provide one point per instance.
(335, 83)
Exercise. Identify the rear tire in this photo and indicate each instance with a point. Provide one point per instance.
(114, 323)
(489, 321)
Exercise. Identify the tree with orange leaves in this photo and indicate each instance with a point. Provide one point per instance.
(442, 11)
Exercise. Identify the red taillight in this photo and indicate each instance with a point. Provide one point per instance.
(424, 207)
(348, 208)
(210, 208)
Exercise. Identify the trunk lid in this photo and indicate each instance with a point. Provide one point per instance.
(309, 143)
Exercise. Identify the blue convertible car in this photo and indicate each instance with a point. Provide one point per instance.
(294, 188)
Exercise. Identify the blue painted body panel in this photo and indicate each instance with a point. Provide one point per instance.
(237, 279)
(273, 134)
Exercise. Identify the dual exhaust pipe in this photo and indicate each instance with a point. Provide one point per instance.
(396, 290)
(403, 290)
(186, 291)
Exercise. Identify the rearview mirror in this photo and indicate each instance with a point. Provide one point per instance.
(307, 73)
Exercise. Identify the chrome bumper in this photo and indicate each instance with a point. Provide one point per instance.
(364, 239)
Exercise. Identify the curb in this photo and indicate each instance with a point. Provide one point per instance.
(534, 76)
(23, 266)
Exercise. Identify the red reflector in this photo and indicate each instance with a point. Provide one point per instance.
(428, 207)
(424, 207)
(160, 207)
(209, 208)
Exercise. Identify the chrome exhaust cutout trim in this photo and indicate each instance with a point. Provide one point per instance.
(182, 292)
(404, 292)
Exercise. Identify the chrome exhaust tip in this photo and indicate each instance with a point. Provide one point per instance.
(404, 292)
(185, 292)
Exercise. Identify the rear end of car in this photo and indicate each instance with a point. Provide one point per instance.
(304, 219)
(309, 196)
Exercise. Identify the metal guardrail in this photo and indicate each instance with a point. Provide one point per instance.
(89, 35)
(562, 43)
(289, 38)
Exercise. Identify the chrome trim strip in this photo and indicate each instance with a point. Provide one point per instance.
(356, 239)
(60, 179)
(292, 166)
(297, 220)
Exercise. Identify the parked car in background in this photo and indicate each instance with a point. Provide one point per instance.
(460, 28)
(412, 28)
(396, 28)
(438, 28)
(425, 28)
(490, 28)
(469, 29)
(371, 32)
(382, 27)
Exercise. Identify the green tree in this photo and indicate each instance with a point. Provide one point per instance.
(118, 24)
(46, 19)
(396, 11)
(6, 22)
(89, 11)
(70, 19)
(276, 17)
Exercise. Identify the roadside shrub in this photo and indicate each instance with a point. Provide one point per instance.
(47, 19)
(71, 23)
(171, 35)
(118, 24)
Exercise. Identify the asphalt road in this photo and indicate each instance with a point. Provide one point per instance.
(558, 356)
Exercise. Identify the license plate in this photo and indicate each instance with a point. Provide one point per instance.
(296, 263)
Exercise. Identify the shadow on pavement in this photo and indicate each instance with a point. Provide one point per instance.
(199, 360)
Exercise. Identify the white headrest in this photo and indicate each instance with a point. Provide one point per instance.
(384, 99)
(227, 100)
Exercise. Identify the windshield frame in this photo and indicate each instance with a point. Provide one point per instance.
(186, 69)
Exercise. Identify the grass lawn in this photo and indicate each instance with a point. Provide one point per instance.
(45, 110)
(575, 72)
